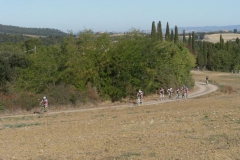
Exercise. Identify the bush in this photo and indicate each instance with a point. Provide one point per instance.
(64, 95)
(226, 89)
(2, 107)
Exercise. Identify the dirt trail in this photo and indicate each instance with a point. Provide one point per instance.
(200, 89)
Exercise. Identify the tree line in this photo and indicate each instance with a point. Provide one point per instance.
(90, 68)
(8, 29)
(221, 56)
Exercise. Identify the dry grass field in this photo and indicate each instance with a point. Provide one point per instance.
(206, 127)
(216, 37)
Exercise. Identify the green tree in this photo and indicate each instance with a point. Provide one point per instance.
(176, 35)
(193, 42)
(205, 53)
(153, 31)
(159, 31)
(172, 36)
(184, 37)
(167, 34)
(200, 57)
(221, 42)
(190, 42)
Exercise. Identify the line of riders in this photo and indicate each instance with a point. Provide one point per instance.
(161, 93)
(184, 89)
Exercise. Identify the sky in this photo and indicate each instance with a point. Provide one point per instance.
(118, 15)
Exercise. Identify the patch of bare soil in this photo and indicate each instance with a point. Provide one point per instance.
(205, 127)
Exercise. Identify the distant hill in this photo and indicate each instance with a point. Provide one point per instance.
(229, 28)
(7, 29)
(209, 28)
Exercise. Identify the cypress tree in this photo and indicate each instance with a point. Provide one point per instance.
(176, 35)
(184, 37)
(189, 40)
(172, 36)
(193, 42)
(237, 40)
(221, 42)
(167, 34)
(159, 31)
(200, 57)
(205, 52)
(153, 32)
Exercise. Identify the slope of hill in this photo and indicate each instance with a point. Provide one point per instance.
(30, 31)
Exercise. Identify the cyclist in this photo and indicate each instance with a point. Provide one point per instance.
(207, 80)
(177, 93)
(170, 90)
(161, 93)
(184, 94)
(44, 104)
(186, 90)
(140, 96)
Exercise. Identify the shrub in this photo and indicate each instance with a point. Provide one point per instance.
(226, 89)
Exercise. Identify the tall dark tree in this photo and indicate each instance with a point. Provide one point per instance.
(159, 31)
(176, 35)
(167, 34)
(172, 35)
(237, 41)
(205, 54)
(221, 42)
(200, 59)
(193, 42)
(210, 57)
(189, 40)
(184, 37)
(153, 31)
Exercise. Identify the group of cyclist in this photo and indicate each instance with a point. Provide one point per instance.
(170, 91)
(161, 92)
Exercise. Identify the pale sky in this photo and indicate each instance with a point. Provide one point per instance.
(118, 15)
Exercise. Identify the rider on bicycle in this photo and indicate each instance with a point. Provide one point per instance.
(44, 103)
(177, 93)
(170, 90)
(206, 79)
(140, 96)
(161, 93)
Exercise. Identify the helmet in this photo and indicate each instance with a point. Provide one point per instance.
(44, 97)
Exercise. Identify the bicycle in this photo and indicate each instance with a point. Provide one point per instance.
(140, 100)
(42, 108)
(161, 96)
(177, 95)
(184, 95)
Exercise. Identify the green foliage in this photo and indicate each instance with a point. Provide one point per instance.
(90, 68)
(9, 66)
(219, 56)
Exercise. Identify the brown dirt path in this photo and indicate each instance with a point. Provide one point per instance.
(200, 89)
